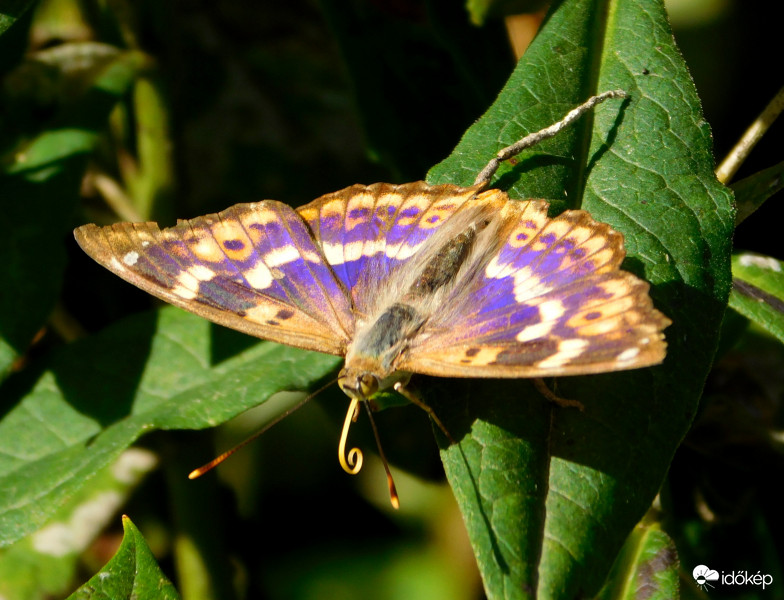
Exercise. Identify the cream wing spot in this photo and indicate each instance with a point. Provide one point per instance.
(567, 350)
(535, 332)
(357, 206)
(312, 257)
(131, 258)
(201, 273)
(407, 251)
(260, 213)
(580, 234)
(373, 247)
(392, 250)
(259, 277)
(188, 282)
(353, 251)
(604, 260)
(333, 253)
(559, 227)
(184, 292)
(610, 327)
(627, 355)
(281, 256)
(527, 285)
(596, 244)
(262, 313)
(494, 269)
(551, 310)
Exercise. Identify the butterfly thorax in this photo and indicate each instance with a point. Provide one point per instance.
(382, 340)
(371, 358)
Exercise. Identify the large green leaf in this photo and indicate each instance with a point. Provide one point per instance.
(152, 371)
(549, 495)
(45, 564)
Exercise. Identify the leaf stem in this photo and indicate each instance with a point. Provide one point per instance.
(753, 134)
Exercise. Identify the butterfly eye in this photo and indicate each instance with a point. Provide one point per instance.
(368, 385)
(360, 386)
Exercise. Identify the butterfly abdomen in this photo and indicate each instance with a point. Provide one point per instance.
(444, 266)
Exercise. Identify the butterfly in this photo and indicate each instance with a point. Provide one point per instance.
(439, 280)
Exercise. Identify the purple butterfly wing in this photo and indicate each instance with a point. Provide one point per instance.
(369, 232)
(549, 299)
(253, 267)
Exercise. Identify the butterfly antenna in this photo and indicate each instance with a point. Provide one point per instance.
(394, 499)
(486, 174)
(218, 460)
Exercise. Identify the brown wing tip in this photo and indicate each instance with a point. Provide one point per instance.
(90, 239)
(82, 234)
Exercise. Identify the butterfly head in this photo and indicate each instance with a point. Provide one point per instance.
(363, 377)
(358, 384)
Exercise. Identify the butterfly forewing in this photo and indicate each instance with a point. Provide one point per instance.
(367, 233)
(254, 268)
(551, 300)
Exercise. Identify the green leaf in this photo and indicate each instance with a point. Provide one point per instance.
(131, 573)
(758, 291)
(46, 563)
(39, 191)
(751, 192)
(549, 495)
(37, 207)
(647, 567)
(11, 11)
(151, 371)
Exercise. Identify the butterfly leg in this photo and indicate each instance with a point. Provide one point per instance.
(542, 388)
(486, 174)
(414, 398)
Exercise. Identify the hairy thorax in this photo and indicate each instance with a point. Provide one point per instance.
(407, 301)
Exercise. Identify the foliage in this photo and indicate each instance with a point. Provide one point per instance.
(121, 112)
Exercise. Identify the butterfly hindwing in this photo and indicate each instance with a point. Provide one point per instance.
(253, 267)
(550, 300)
